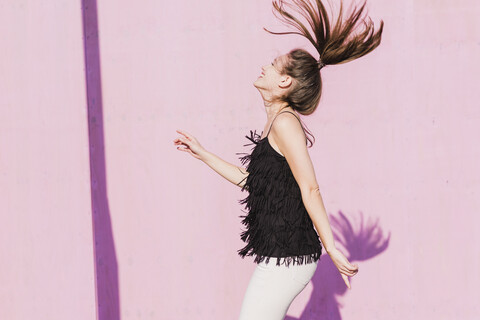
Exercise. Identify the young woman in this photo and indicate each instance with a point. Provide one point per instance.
(284, 202)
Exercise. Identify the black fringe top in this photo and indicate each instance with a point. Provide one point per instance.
(278, 225)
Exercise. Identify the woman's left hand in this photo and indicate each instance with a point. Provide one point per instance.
(343, 265)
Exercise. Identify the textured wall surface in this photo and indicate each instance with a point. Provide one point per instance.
(46, 261)
(396, 157)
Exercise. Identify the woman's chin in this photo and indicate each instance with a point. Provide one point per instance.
(258, 82)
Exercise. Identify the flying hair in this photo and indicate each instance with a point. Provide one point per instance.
(335, 44)
(336, 41)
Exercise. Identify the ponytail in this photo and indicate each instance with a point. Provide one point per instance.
(335, 44)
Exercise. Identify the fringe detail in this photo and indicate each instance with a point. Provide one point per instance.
(291, 260)
(247, 157)
(273, 196)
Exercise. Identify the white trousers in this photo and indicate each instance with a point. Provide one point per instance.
(272, 289)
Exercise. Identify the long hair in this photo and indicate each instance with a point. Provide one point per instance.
(335, 44)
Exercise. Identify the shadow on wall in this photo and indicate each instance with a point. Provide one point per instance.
(362, 241)
(105, 257)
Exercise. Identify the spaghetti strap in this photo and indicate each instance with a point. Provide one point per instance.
(277, 116)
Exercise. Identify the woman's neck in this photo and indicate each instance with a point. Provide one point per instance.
(272, 109)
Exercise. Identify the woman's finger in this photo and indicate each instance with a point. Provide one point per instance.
(344, 269)
(351, 267)
(348, 267)
(186, 134)
(348, 273)
(184, 140)
(345, 278)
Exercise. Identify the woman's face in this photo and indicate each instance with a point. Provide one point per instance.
(270, 78)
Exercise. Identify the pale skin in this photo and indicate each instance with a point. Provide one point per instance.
(287, 138)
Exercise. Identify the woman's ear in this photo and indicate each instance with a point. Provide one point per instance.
(285, 81)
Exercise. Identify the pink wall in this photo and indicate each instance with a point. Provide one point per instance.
(46, 262)
(395, 146)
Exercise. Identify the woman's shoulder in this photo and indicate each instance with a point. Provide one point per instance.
(286, 127)
(287, 123)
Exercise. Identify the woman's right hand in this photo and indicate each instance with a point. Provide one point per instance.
(190, 144)
(345, 268)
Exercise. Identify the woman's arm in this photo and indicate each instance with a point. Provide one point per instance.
(290, 138)
(232, 173)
